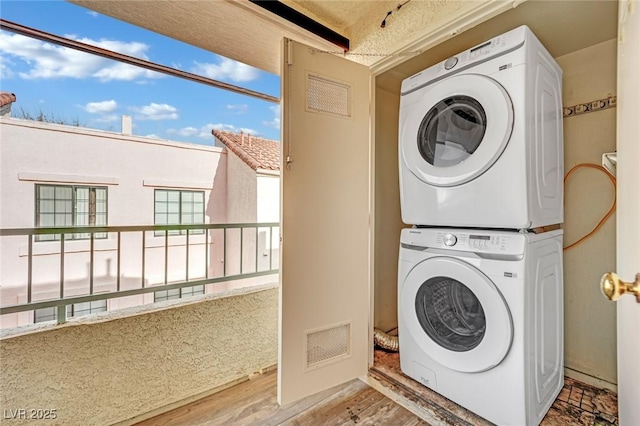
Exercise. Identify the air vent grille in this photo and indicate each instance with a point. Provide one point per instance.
(327, 345)
(328, 96)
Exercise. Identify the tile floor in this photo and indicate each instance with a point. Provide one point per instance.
(578, 404)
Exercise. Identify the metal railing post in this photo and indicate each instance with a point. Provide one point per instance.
(61, 314)
(186, 266)
(30, 270)
(119, 259)
(257, 248)
(91, 253)
(206, 253)
(61, 266)
(144, 252)
(241, 249)
(224, 253)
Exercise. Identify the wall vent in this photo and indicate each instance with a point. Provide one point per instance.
(327, 345)
(328, 96)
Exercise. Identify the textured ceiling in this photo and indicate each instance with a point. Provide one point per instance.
(592, 22)
(247, 33)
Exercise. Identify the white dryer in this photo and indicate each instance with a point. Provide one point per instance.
(480, 319)
(480, 138)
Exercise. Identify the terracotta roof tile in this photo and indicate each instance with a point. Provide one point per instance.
(6, 98)
(257, 153)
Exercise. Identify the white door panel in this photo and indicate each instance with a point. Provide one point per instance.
(628, 214)
(325, 262)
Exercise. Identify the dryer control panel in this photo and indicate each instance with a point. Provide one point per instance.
(483, 52)
(476, 241)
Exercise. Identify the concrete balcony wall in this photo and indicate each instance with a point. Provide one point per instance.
(111, 368)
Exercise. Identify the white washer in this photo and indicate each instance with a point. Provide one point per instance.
(480, 138)
(480, 319)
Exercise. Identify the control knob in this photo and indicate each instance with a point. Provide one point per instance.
(450, 63)
(450, 240)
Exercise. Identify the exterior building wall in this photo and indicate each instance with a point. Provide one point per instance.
(268, 197)
(111, 368)
(241, 191)
(131, 168)
(251, 197)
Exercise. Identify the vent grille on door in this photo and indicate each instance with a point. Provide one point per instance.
(324, 95)
(327, 345)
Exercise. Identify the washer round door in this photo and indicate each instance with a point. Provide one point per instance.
(456, 130)
(456, 315)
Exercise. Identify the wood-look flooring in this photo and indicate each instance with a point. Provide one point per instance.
(254, 403)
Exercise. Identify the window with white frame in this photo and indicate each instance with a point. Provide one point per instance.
(70, 206)
(177, 207)
(177, 293)
(75, 310)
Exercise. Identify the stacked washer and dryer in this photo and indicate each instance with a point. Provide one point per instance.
(480, 294)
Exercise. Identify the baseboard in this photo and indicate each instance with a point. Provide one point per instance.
(590, 380)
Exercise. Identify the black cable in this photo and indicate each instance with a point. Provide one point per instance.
(384, 21)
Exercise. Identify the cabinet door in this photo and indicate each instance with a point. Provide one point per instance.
(325, 222)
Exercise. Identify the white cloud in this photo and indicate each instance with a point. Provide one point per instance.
(107, 118)
(185, 131)
(153, 136)
(227, 69)
(275, 123)
(239, 109)
(204, 132)
(47, 61)
(93, 13)
(101, 107)
(5, 68)
(155, 111)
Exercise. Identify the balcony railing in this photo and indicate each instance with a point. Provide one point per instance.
(147, 259)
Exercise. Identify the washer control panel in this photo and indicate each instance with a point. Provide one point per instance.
(506, 42)
(477, 241)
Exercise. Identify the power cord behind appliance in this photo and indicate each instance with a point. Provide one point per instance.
(612, 209)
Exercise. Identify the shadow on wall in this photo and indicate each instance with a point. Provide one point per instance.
(216, 212)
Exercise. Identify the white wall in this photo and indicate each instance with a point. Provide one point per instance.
(590, 321)
(268, 197)
(131, 168)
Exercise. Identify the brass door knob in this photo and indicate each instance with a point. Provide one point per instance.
(613, 287)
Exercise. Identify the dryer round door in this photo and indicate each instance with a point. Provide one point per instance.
(457, 129)
(456, 315)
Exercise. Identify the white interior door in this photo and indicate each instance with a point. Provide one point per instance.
(325, 222)
(628, 214)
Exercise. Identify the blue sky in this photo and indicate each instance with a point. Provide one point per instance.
(96, 92)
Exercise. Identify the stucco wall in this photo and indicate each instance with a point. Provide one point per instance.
(590, 320)
(105, 370)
